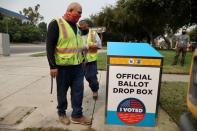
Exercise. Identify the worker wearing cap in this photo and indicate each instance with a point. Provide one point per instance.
(64, 53)
(92, 43)
(182, 46)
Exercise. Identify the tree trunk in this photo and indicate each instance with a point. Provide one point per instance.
(167, 42)
(150, 36)
(125, 38)
(151, 40)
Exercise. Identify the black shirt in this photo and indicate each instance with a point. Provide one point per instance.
(52, 39)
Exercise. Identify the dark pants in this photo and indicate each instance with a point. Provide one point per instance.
(70, 76)
(91, 75)
(180, 50)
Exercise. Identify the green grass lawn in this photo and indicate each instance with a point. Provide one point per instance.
(168, 58)
(102, 61)
(167, 67)
(173, 98)
(38, 54)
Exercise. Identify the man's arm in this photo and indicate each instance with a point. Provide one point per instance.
(188, 42)
(52, 38)
(176, 43)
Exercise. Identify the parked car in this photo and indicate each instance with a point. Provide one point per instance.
(188, 120)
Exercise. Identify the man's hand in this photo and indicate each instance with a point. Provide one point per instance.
(53, 72)
(93, 48)
(174, 48)
(187, 49)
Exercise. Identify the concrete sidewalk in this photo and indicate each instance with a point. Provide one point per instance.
(25, 86)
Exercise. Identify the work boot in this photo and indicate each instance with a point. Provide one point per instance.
(81, 120)
(95, 95)
(64, 119)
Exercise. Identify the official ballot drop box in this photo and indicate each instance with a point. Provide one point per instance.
(133, 84)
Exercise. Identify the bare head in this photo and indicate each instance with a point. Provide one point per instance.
(83, 25)
(74, 7)
(73, 12)
(184, 30)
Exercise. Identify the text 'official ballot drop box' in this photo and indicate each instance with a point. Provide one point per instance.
(133, 83)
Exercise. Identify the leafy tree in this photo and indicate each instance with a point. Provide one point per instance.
(106, 18)
(25, 31)
(1, 16)
(193, 11)
(193, 35)
(2, 24)
(146, 19)
(32, 14)
(43, 30)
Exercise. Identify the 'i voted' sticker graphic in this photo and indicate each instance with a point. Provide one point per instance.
(131, 111)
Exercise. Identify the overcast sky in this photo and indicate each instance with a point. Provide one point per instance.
(55, 8)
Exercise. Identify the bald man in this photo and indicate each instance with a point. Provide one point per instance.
(64, 53)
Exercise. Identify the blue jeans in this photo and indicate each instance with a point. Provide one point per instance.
(91, 75)
(180, 50)
(70, 76)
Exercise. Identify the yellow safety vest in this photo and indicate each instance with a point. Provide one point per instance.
(91, 40)
(69, 46)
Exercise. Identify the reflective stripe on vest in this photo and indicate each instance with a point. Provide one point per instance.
(68, 50)
(91, 40)
(69, 46)
(64, 31)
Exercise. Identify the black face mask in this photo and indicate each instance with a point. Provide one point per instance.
(183, 32)
(85, 32)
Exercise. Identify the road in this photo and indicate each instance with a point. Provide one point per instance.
(26, 48)
(30, 48)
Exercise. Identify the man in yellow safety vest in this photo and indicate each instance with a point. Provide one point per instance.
(91, 43)
(64, 53)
